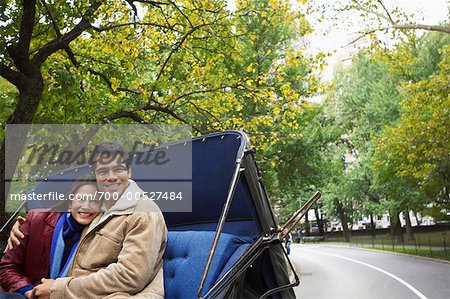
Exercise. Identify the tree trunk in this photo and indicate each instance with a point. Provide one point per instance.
(396, 227)
(319, 221)
(419, 222)
(27, 77)
(29, 99)
(372, 226)
(409, 230)
(307, 225)
(344, 219)
(2, 185)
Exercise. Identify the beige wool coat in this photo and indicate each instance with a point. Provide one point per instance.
(120, 254)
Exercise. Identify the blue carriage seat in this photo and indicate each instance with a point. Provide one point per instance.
(185, 259)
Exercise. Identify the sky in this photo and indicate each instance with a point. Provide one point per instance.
(334, 39)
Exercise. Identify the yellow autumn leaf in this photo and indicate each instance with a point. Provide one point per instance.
(114, 83)
(276, 111)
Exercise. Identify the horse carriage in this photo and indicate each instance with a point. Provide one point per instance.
(230, 244)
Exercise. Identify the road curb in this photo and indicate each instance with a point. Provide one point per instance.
(391, 252)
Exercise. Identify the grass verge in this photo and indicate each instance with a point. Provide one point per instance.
(420, 239)
(436, 254)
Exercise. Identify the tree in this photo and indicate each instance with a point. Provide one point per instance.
(417, 147)
(190, 62)
(389, 18)
(416, 61)
(367, 102)
(337, 200)
(363, 100)
(376, 16)
(32, 33)
(291, 165)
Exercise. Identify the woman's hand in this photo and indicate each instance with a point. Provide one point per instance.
(15, 234)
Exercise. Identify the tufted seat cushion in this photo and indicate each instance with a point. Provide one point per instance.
(185, 259)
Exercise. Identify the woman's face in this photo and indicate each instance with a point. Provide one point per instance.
(83, 204)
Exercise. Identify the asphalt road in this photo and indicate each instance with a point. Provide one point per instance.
(339, 272)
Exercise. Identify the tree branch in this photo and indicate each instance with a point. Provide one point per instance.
(201, 110)
(52, 18)
(96, 60)
(165, 17)
(125, 114)
(445, 29)
(387, 12)
(62, 42)
(134, 116)
(58, 33)
(171, 113)
(394, 24)
(361, 7)
(164, 110)
(108, 82)
(403, 26)
(26, 27)
(201, 91)
(153, 3)
(181, 12)
(177, 47)
(19, 52)
(101, 29)
(364, 33)
(133, 7)
(11, 75)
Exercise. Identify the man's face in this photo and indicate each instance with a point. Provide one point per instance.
(112, 175)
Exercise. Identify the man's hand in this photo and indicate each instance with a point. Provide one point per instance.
(28, 294)
(43, 290)
(15, 234)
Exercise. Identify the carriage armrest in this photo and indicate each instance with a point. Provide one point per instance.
(185, 259)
